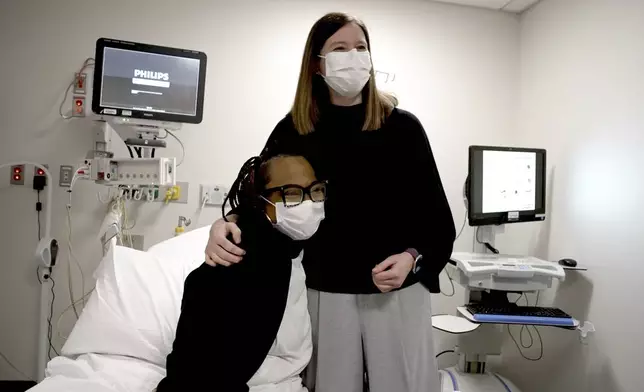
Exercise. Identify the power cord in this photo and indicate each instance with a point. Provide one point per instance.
(183, 148)
(38, 209)
(444, 352)
(89, 62)
(53, 284)
(62, 314)
(451, 282)
(525, 328)
(487, 244)
(50, 330)
(14, 367)
(71, 255)
(519, 348)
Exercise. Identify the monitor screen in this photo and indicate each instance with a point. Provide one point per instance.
(506, 185)
(145, 81)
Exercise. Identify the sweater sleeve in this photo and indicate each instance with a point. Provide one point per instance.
(229, 320)
(283, 139)
(433, 232)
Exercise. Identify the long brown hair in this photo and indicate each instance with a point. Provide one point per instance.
(312, 90)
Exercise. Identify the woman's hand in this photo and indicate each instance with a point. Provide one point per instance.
(219, 249)
(391, 273)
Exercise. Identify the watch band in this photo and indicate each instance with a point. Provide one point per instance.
(417, 257)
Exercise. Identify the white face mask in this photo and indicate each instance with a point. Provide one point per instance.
(347, 72)
(299, 222)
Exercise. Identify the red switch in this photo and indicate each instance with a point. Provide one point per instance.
(17, 177)
(78, 109)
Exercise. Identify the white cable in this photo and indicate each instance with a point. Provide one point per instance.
(126, 228)
(451, 282)
(465, 215)
(462, 226)
(100, 197)
(86, 64)
(71, 255)
(67, 309)
(183, 148)
(14, 367)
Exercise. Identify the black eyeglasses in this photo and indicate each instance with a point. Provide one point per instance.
(293, 195)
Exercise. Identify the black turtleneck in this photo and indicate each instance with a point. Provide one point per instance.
(230, 316)
(385, 196)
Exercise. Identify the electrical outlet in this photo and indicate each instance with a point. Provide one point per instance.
(183, 193)
(40, 178)
(80, 81)
(66, 174)
(78, 108)
(213, 195)
(17, 175)
(39, 172)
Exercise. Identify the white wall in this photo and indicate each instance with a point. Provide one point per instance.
(457, 69)
(582, 91)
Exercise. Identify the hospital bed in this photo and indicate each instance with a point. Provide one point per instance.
(126, 330)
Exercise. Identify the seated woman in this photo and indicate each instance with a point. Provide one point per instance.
(260, 336)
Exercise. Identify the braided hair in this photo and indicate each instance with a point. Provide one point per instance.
(251, 181)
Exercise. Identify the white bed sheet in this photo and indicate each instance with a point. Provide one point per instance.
(127, 328)
(100, 373)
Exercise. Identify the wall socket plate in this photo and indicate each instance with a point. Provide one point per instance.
(66, 174)
(20, 174)
(213, 194)
(78, 106)
(80, 83)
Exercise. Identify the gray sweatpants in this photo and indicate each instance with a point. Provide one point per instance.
(389, 333)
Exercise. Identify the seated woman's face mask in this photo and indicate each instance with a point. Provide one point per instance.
(299, 222)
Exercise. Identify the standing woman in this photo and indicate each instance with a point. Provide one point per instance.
(388, 225)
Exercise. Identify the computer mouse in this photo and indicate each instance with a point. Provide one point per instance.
(568, 262)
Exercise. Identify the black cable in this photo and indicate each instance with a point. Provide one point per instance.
(38, 208)
(50, 331)
(131, 153)
(444, 352)
(487, 244)
(138, 151)
(152, 153)
(519, 348)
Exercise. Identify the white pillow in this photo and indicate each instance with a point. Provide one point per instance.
(135, 307)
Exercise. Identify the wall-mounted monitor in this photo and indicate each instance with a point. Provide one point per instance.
(506, 185)
(149, 82)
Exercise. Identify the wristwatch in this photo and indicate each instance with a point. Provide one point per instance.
(417, 257)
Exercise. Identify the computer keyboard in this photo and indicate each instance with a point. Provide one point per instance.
(528, 311)
(513, 314)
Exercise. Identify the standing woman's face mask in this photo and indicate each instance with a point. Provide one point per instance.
(345, 61)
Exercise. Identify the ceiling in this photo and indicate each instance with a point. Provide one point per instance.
(515, 6)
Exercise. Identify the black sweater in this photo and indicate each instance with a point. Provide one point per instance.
(385, 195)
(230, 316)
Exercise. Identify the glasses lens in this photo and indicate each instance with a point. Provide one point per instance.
(318, 192)
(293, 196)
